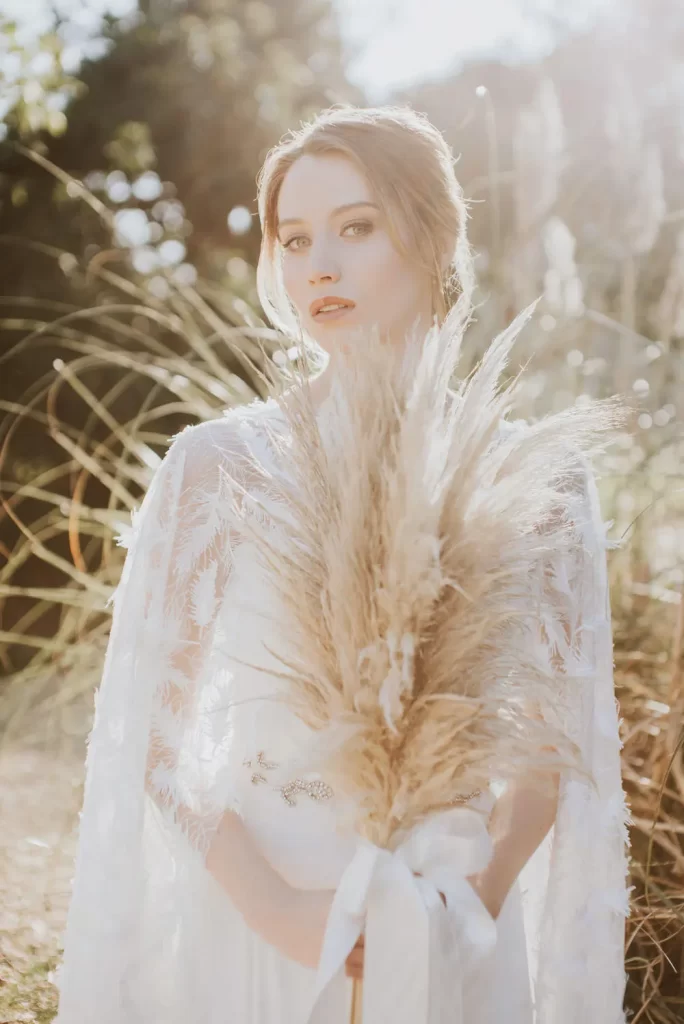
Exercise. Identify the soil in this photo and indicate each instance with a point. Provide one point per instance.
(41, 791)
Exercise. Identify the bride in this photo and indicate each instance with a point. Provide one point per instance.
(210, 851)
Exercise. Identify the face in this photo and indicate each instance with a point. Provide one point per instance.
(338, 248)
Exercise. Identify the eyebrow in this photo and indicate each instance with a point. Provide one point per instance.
(338, 209)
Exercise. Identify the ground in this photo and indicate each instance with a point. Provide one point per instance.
(41, 791)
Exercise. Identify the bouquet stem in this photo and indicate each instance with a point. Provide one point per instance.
(357, 996)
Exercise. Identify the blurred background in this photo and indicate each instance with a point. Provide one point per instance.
(130, 138)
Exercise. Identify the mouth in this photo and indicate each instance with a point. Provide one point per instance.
(330, 307)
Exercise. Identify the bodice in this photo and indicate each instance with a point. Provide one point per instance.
(303, 827)
(300, 823)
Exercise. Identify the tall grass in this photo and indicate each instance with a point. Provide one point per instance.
(131, 370)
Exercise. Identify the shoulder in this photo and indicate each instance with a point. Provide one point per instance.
(201, 466)
(228, 440)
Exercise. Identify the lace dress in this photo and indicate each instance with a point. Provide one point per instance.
(191, 674)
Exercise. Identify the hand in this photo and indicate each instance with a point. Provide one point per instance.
(419, 874)
(354, 962)
(490, 900)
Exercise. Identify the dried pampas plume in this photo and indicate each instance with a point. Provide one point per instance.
(417, 573)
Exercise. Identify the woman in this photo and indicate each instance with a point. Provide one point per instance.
(209, 853)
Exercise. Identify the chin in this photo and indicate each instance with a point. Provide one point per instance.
(337, 335)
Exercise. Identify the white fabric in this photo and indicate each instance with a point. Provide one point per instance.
(190, 673)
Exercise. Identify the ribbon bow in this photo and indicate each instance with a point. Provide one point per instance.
(417, 951)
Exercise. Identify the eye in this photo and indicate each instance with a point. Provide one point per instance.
(290, 241)
(365, 225)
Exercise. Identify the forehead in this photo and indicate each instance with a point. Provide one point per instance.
(315, 184)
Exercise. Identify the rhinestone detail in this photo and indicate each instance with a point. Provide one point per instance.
(466, 797)
(315, 789)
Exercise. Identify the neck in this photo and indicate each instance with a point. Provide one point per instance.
(320, 386)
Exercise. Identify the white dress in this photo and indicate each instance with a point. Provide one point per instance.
(307, 842)
(150, 935)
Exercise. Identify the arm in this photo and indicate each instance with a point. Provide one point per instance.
(292, 920)
(521, 818)
(525, 812)
(160, 778)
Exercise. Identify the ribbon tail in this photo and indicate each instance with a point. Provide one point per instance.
(444, 850)
(446, 971)
(473, 927)
(344, 925)
(396, 983)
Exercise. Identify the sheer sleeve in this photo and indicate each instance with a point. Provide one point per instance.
(160, 766)
(190, 558)
(578, 955)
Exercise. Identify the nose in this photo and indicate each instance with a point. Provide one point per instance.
(322, 267)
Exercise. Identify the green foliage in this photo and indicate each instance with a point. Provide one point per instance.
(35, 86)
(131, 150)
(198, 90)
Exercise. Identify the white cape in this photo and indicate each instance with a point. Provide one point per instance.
(150, 935)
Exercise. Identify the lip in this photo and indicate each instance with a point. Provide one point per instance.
(329, 300)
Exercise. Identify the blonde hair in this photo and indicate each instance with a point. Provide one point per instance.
(409, 166)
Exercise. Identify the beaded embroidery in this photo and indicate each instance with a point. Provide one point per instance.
(466, 797)
(315, 789)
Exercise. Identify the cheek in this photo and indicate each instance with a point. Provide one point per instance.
(390, 266)
(383, 257)
(294, 283)
(290, 277)
(392, 277)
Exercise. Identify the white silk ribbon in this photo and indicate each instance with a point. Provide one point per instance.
(417, 951)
